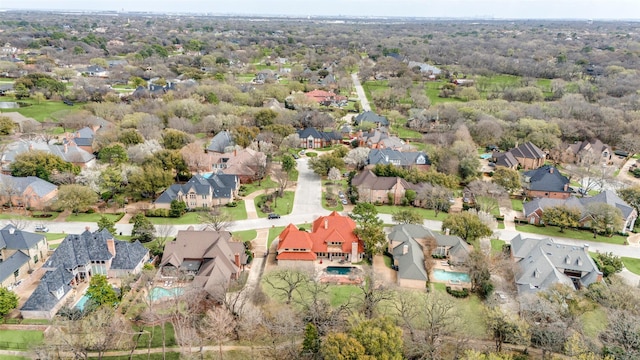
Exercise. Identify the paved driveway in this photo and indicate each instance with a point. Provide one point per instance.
(308, 191)
(361, 94)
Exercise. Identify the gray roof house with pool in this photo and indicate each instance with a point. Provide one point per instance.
(77, 258)
(407, 243)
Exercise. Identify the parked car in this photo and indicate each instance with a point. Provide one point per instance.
(273, 216)
(340, 194)
(296, 156)
(41, 228)
(344, 202)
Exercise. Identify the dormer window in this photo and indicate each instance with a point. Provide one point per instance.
(567, 260)
(59, 293)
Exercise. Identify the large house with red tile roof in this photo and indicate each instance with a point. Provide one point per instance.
(331, 238)
(326, 98)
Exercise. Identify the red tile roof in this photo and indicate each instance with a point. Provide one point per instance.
(333, 228)
(321, 95)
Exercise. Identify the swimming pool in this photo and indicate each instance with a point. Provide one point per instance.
(340, 270)
(82, 302)
(158, 293)
(446, 276)
(486, 156)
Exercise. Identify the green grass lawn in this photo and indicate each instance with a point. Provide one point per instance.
(432, 90)
(501, 225)
(155, 332)
(425, 213)
(84, 217)
(293, 175)
(54, 236)
(516, 204)
(20, 339)
(43, 110)
(245, 235)
(496, 245)
(10, 216)
(273, 234)
(632, 264)
(418, 145)
(594, 322)
(193, 217)
(283, 205)
(336, 294)
(266, 183)
(571, 234)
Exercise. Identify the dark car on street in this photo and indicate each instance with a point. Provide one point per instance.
(273, 216)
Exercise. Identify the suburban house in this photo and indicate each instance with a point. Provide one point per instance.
(265, 76)
(20, 251)
(380, 189)
(244, 163)
(96, 71)
(407, 243)
(526, 156)
(380, 139)
(68, 152)
(310, 138)
(77, 259)
(542, 263)
(534, 209)
(546, 182)
(220, 142)
(424, 69)
(29, 192)
(326, 98)
(209, 258)
(589, 151)
(370, 117)
(201, 191)
(83, 138)
(331, 238)
(413, 159)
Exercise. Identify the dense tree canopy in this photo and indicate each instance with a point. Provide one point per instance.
(40, 164)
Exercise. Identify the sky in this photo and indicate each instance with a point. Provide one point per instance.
(511, 9)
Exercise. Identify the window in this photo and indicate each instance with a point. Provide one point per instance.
(192, 196)
(16, 273)
(35, 259)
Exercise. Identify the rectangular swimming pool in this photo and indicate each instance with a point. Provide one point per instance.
(446, 276)
(81, 303)
(158, 293)
(340, 270)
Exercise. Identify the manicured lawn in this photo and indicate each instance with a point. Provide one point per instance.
(418, 145)
(54, 236)
(83, 217)
(293, 175)
(425, 213)
(266, 183)
(516, 204)
(496, 245)
(273, 234)
(193, 217)
(632, 264)
(155, 332)
(20, 339)
(594, 322)
(471, 312)
(336, 294)
(43, 110)
(245, 235)
(432, 90)
(11, 357)
(571, 234)
(501, 225)
(10, 216)
(283, 205)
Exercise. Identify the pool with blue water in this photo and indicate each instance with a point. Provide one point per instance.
(453, 276)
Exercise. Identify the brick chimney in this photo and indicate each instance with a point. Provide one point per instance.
(405, 249)
(237, 260)
(111, 246)
(66, 148)
(551, 170)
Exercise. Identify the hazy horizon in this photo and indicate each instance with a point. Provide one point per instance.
(508, 9)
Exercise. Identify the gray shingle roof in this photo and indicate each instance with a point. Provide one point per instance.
(79, 250)
(505, 159)
(13, 263)
(21, 184)
(413, 260)
(43, 297)
(370, 116)
(218, 185)
(398, 158)
(219, 142)
(18, 239)
(542, 263)
(607, 197)
(72, 154)
(547, 178)
(529, 151)
(326, 135)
